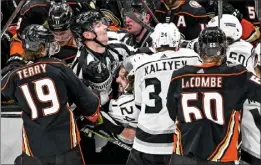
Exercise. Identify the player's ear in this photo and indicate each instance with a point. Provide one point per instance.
(147, 18)
(88, 35)
(42, 50)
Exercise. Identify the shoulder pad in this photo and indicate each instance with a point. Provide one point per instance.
(193, 8)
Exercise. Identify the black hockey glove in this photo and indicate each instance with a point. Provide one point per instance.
(228, 9)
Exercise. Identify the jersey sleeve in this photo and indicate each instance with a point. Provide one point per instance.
(253, 87)
(137, 91)
(7, 83)
(172, 97)
(81, 95)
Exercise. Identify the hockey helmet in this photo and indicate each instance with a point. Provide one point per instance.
(166, 35)
(60, 17)
(35, 35)
(98, 74)
(230, 26)
(85, 21)
(212, 42)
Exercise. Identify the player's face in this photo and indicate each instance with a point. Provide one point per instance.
(101, 31)
(122, 80)
(133, 27)
(62, 37)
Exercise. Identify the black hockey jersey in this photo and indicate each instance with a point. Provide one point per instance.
(190, 17)
(42, 89)
(206, 102)
(36, 12)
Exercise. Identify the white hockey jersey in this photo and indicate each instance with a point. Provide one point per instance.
(123, 110)
(154, 133)
(251, 128)
(241, 52)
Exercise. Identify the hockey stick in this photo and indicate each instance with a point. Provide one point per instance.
(148, 10)
(12, 17)
(11, 115)
(105, 136)
(129, 12)
(220, 11)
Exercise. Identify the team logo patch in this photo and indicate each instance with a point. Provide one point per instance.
(114, 21)
(194, 4)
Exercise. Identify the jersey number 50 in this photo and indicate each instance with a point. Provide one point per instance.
(212, 107)
(44, 96)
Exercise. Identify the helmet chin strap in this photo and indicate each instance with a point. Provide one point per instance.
(137, 35)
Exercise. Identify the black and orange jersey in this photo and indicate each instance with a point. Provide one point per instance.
(190, 17)
(247, 8)
(68, 52)
(43, 89)
(36, 12)
(206, 102)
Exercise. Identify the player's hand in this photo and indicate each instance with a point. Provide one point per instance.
(128, 134)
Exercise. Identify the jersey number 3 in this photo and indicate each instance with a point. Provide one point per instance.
(212, 107)
(45, 92)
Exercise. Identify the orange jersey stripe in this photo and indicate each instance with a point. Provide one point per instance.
(83, 161)
(177, 142)
(195, 16)
(226, 151)
(26, 142)
(231, 153)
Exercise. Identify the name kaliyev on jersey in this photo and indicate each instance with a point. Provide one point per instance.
(154, 133)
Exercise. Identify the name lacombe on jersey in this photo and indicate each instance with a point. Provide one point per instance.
(202, 82)
(164, 66)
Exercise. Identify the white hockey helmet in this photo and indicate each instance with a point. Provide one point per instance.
(131, 62)
(165, 34)
(229, 24)
(258, 53)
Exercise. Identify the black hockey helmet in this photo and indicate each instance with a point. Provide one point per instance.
(212, 42)
(60, 16)
(98, 75)
(35, 35)
(85, 21)
(138, 7)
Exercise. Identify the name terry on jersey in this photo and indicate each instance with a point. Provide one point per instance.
(202, 82)
(31, 71)
(165, 65)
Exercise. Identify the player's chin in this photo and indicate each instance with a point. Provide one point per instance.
(120, 89)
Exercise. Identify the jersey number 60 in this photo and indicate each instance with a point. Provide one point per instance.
(212, 107)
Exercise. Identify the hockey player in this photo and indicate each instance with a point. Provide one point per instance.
(250, 152)
(206, 103)
(90, 28)
(137, 35)
(42, 89)
(188, 15)
(59, 21)
(238, 50)
(36, 12)
(97, 61)
(153, 141)
(245, 12)
(123, 108)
